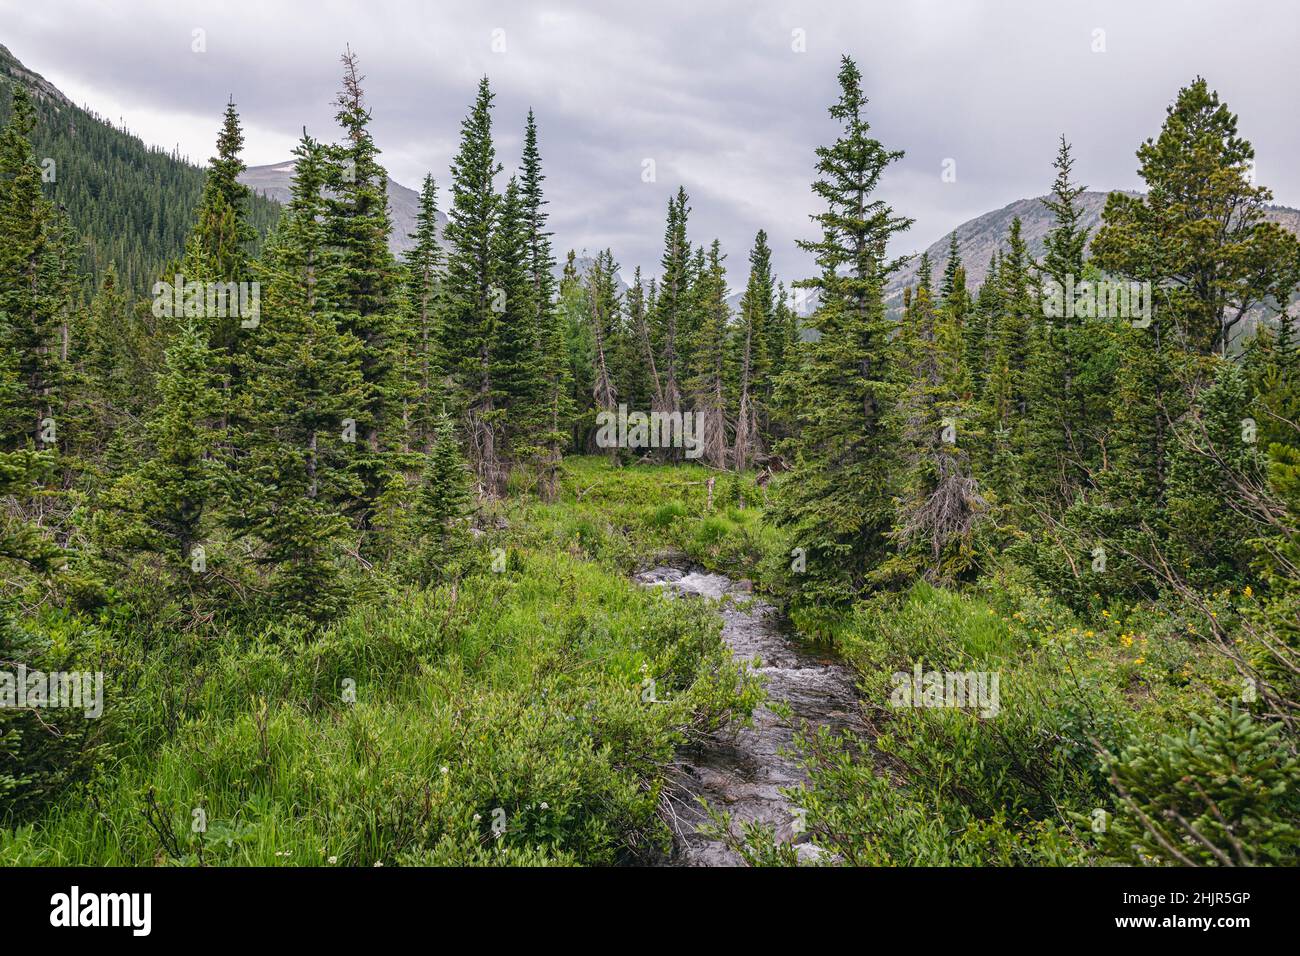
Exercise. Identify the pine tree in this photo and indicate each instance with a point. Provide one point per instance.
(34, 756)
(362, 284)
(471, 328)
(34, 287)
(939, 502)
(1006, 390)
(602, 313)
(166, 501)
(635, 364)
(977, 333)
(836, 501)
(424, 315)
(443, 503)
(671, 304)
(217, 249)
(514, 360)
(1211, 465)
(753, 390)
(950, 286)
(554, 408)
(783, 344)
(308, 382)
(216, 253)
(1198, 234)
(110, 381)
(1062, 443)
(709, 351)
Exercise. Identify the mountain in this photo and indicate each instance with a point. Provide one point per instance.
(403, 202)
(978, 238)
(132, 204)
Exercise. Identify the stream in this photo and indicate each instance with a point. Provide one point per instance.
(742, 770)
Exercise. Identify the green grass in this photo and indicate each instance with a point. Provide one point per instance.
(518, 697)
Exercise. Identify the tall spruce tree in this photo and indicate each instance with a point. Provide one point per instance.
(427, 361)
(672, 303)
(308, 381)
(554, 408)
(363, 284)
(603, 308)
(514, 360)
(836, 501)
(753, 338)
(34, 288)
(472, 298)
(1067, 354)
(707, 386)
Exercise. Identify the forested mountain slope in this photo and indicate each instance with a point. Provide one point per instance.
(132, 204)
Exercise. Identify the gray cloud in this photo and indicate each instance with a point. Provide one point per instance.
(711, 91)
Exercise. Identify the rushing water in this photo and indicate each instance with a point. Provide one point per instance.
(743, 770)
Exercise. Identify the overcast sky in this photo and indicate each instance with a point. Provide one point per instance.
(728, 99)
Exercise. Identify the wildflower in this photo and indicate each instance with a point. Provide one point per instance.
(544, 806)
(1247, 591)
(1139, 660)
(333, 860)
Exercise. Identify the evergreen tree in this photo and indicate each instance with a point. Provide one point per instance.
(34, 290)
(514, 360)
(554, 407)
(709, 349)
(362, 284)
(754, 385)
(939, 502)
(1199, 234)
(1066, 378)
(1006, 390)
(672, 303)
(308, 382)
(783, 343)
(976, 334)
(837, 500)
(1211, 467)
(471, 327)
(427, 362)
(602, 312)
(217, 249)
(636, 366)
(442, 505)
(166, 502)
